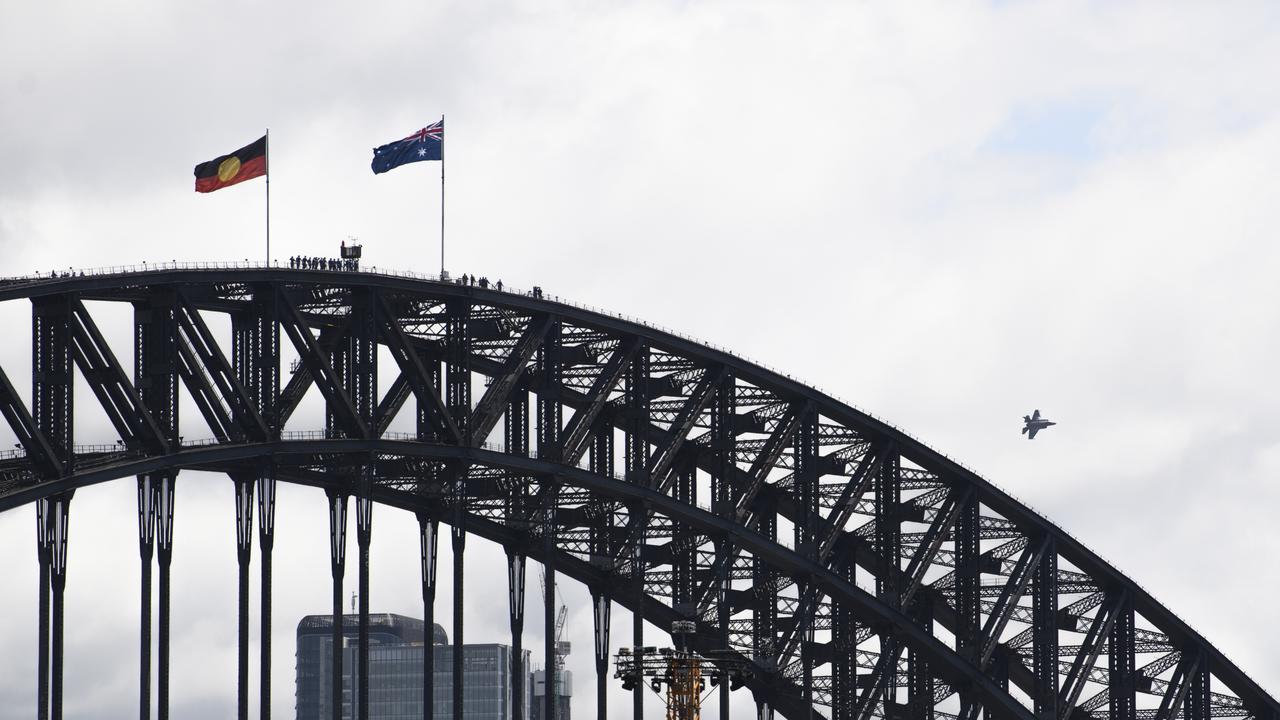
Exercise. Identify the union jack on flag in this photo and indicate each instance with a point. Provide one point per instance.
(434, 131)
(425, 144)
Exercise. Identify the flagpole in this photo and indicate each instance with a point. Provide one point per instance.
(442, 196)
(268, 154)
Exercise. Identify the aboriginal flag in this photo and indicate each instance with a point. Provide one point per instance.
(246, 163)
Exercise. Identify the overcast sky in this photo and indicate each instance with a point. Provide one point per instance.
(947, 213)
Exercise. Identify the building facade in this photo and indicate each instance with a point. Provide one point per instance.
(564, 693)
(396, 646)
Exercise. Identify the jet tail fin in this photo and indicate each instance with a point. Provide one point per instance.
(1024, 430)
(1026, 418)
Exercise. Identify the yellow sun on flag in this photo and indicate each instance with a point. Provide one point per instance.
(229, 168)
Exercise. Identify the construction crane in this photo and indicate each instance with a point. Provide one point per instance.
(562, 646)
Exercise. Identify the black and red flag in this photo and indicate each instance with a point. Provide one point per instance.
(246, 163)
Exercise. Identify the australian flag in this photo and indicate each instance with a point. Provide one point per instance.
(426, 144)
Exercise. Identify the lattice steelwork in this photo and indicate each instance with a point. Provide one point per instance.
(858, 572)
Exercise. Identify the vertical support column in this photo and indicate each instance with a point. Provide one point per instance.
(888, 549)
(360, 377)
(601, 607)
(1000, 668)
(637, 399)
(968, 575)
(458, 385)
(243, 347)
(1198, 696)
(428, 531)
(888, 529)
(155, 355)
(1044, 611)
(806, 496)
(515, 609)
(146, 550)
(601, 463)
(637, 458)
(244, 546)
(550, 422)
(637, 616)
(337, 566)
(164, 555)
(723, 585)
(364, 533)
(723, 441)
(52, 411)
(844, 638)
(263, 384)
(550, 701)
(684, 557)
(920, 676)
(58, 520)
(44, 550)
(1123, 696)
(459, 536)
(549, 705)
(266, 541)
(516, 429)
(764, 600)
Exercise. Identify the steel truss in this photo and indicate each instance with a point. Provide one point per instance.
(858, 572)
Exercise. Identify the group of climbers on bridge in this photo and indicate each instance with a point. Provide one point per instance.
(300, 262)
(482, 282)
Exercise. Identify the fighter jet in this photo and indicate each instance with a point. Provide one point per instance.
(1034, 424)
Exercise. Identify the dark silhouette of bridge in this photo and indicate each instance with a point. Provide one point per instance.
(857, 571)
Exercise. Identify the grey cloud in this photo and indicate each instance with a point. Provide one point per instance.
(814, 187)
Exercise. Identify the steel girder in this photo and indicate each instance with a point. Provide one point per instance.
(752, 504)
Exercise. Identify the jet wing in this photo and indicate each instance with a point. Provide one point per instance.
(1035, 415)
(1031, 435)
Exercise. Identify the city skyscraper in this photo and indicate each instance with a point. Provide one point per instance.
(396, 646)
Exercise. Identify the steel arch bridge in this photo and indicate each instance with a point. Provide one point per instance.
(860, 573)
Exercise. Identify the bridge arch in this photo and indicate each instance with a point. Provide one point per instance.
(863, 573)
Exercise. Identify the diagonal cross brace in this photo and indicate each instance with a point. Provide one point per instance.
(1148, 671)
(109, 382)
(886, 668)
(317, 362)
(664, 459)
(203, 393)
(1178, 686)
(391, 403)
(494, 402)
(1087, 657)
(577, 434)
(410, 362)
(1013, 591)
(302, 379)
(923, 557)
(214, 364)
(24, 427)
(768, 457)
(804, 616)
(857, 486)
